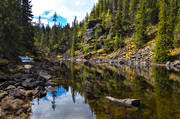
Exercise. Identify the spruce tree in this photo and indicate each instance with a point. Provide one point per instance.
(140, 25)
(74, 36)
(11, 41)
(125, 13)
(26, 23)
(154, 11)
(117, 29)
(47, 35)
(55, 37)
(133, 9)
(177, 30)
(164, 39)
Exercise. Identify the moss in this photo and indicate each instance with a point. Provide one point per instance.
(59, 56)
(3, 61)
(174, 51)
(77, 53)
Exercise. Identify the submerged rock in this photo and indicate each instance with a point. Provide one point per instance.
(45, 75)
(27, 66)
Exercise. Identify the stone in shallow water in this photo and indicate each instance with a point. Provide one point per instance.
(27, 66)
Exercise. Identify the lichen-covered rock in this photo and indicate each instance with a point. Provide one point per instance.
(90, 29)
(92, 23)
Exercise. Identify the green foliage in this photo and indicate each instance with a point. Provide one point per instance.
(118, 41)
(141, 25)
(177, 31)
(98, 31)
(117, 20)
(16, 31)
(164, 38)
(109, 45)
(86, 48)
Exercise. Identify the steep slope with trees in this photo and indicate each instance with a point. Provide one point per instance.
(118, 29)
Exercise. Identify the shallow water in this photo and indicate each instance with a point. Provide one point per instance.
(82, 89)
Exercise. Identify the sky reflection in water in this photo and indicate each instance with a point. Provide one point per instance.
(64, 107)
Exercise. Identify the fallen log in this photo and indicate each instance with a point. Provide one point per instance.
(128, 102)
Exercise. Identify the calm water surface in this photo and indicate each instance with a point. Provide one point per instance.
(82, 89)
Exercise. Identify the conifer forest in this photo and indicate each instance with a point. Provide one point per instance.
(121, 61)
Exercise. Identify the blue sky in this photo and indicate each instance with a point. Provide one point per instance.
(65, 9)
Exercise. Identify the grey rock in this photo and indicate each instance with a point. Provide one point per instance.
(4, 78)
(45, 75)
(92, 23)
(11, 87)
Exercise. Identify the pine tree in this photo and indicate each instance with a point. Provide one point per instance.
(164, 39)
(74, 36)
(12, 44)
(141, 25)
(39, 30)
(177, 31)
(118, 40)
(55, 37)
(47, 35)
(125, 14)
(26, 19)
(154, 11)
(133, 9)
(173, 12)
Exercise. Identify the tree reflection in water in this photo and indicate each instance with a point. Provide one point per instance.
(87, 86)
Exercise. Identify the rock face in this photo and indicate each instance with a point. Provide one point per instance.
(92, 23)
(89, 33)
(91, 28)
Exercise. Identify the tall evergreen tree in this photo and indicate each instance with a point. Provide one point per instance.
(55, 37)
(141, 25)
(125, 13)
(74, 36)
(133, 9)
(118, 39)
(177, 30)
(164, 38)
(26, 23)
(11, 43)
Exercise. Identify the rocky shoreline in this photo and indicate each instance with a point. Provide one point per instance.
(174, 65)
(27, 84)
(34, 81)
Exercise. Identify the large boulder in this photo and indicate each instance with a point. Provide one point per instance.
(90, 33)
(92, 23)
(4, 78)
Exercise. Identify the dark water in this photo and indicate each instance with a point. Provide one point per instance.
(83, 88)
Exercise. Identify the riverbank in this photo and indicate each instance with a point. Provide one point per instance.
(20, 83)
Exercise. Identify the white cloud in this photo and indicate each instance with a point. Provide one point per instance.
(65, 108)
(65, 8)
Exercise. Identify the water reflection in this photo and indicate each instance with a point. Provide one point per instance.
(60, 105)
(83, 89)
